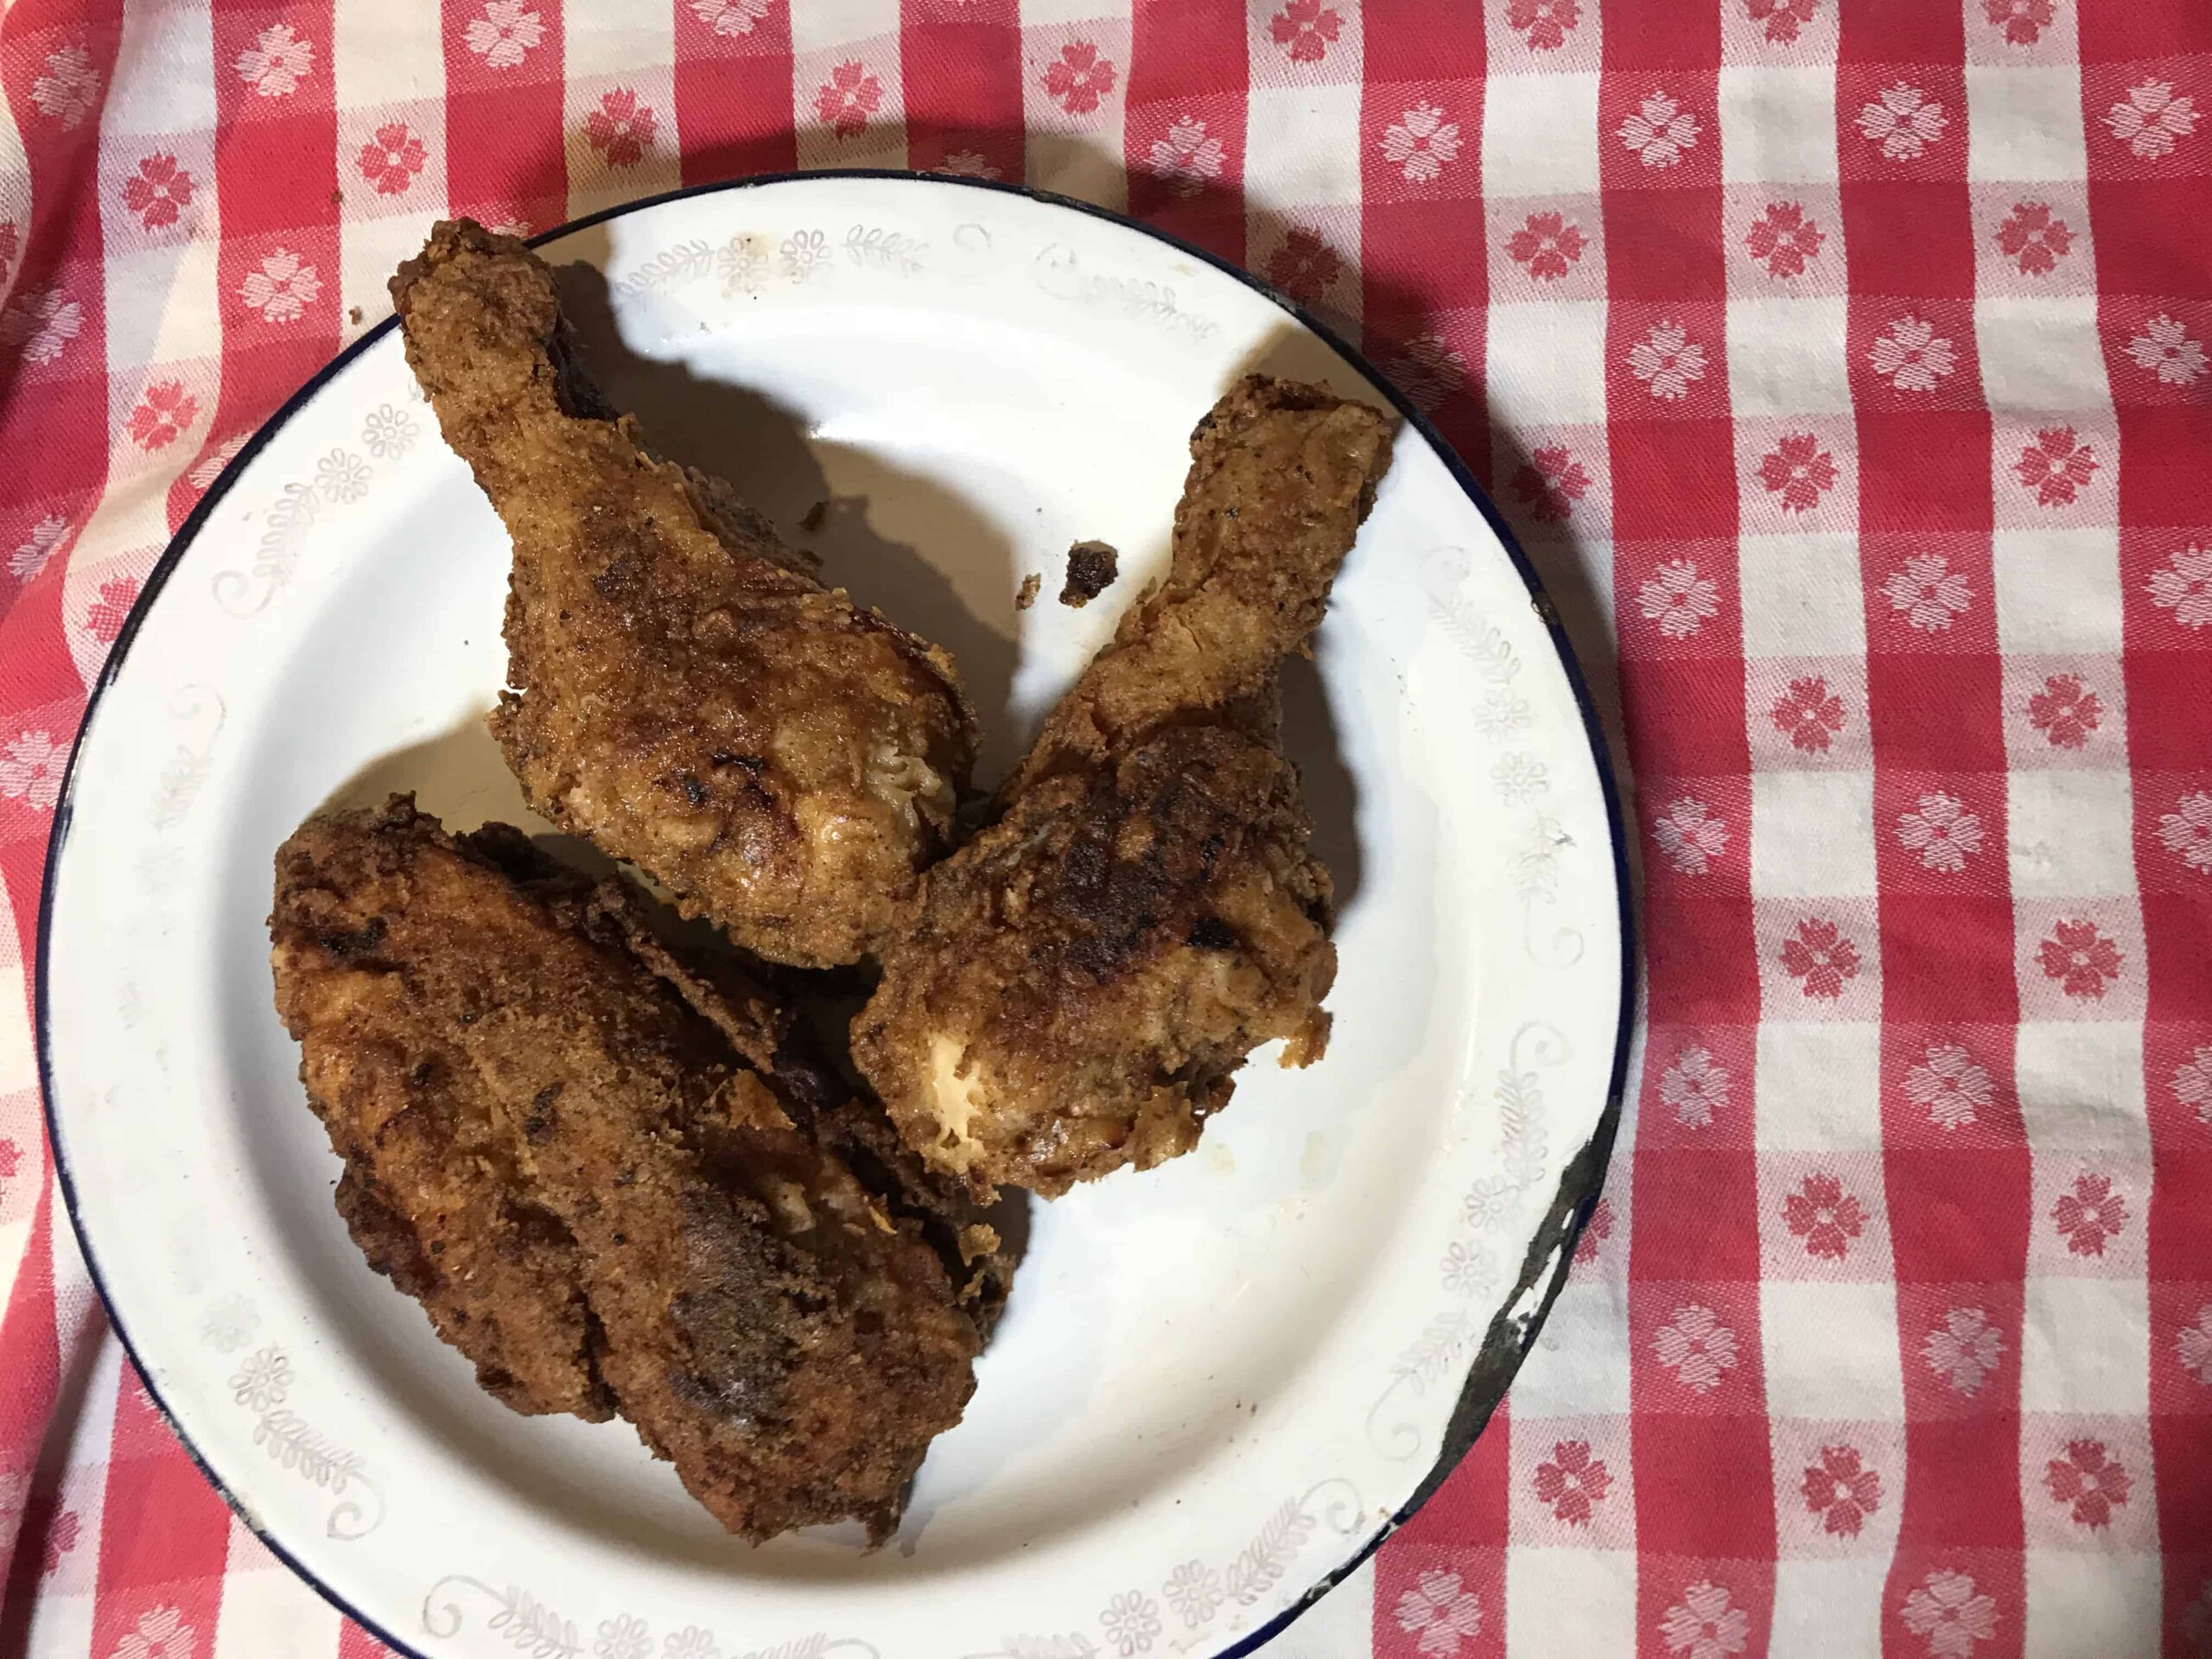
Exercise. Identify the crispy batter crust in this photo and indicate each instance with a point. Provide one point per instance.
(684, 691)
(432, 1190)
(569, 1165)
(1282, 474)
(1088, 972)
(1085, 976)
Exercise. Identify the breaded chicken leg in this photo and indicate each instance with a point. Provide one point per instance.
(682, 690)
(433, 1189)
(1085, 976)
(481, 1037)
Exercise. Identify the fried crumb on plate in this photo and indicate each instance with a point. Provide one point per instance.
(1092, 567)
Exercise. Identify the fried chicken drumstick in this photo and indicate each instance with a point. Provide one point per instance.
(684, 691)
(1086, 975)
(563, 1154)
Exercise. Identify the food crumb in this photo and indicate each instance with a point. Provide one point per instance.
(1091, 569)
(353, 315)
(1028, 596)
(815, 515)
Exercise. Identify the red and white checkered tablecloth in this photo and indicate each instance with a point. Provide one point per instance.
(1843, 364)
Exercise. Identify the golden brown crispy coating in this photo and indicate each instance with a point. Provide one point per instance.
(432, 1193)
(1085, 976)
(480, 1034)
(1282, 474)
(770, 1329)
(760, 1026)
(684, 691)
(1088, 973)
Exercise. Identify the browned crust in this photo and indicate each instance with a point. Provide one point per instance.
(1111, 950)
(1092, 567)
(685, 693)
(1281, 475)
(431, 1192)
(551, 1146)
(1086, 977)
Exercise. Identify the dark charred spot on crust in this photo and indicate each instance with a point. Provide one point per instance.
(1211, 933)
(1083, 871)
(623, 578)
(352, 944)
(1113, 905)
(536, 1224)
(694, 791)
(809, 1079)
(630, 544)
(574, 389)
(741, 1283)
(1092, 567)
(1125, 867)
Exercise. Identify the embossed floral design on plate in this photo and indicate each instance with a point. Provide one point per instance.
(1305, 1317)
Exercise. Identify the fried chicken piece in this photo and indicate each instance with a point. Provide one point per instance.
(483, 1033)
(1282, 475)
(432, 1192)
(1087, 975)
(761, 1028)
(684, 690)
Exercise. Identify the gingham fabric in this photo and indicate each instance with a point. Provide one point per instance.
(1842, 365)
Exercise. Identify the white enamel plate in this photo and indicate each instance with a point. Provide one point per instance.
(1220, 1382)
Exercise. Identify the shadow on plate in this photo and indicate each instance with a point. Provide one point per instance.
(874, 527)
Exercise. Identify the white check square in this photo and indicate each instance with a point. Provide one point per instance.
(820, 28)
(1548, 363)
(2085, 1346)
(1818, 1364)
(1812, 835)
(2040, 353)
(1800, 595)
(1539, 135)
(1786, 357)
(2071, 834)
(2081, 1085)
(1778, 125)
(1566, 1601)
(1579, 1367)
(1819, 1604)
(1825, 1083)
(2025, 123)
(2057, 590)
(2091, 1601)
(1301, 146)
